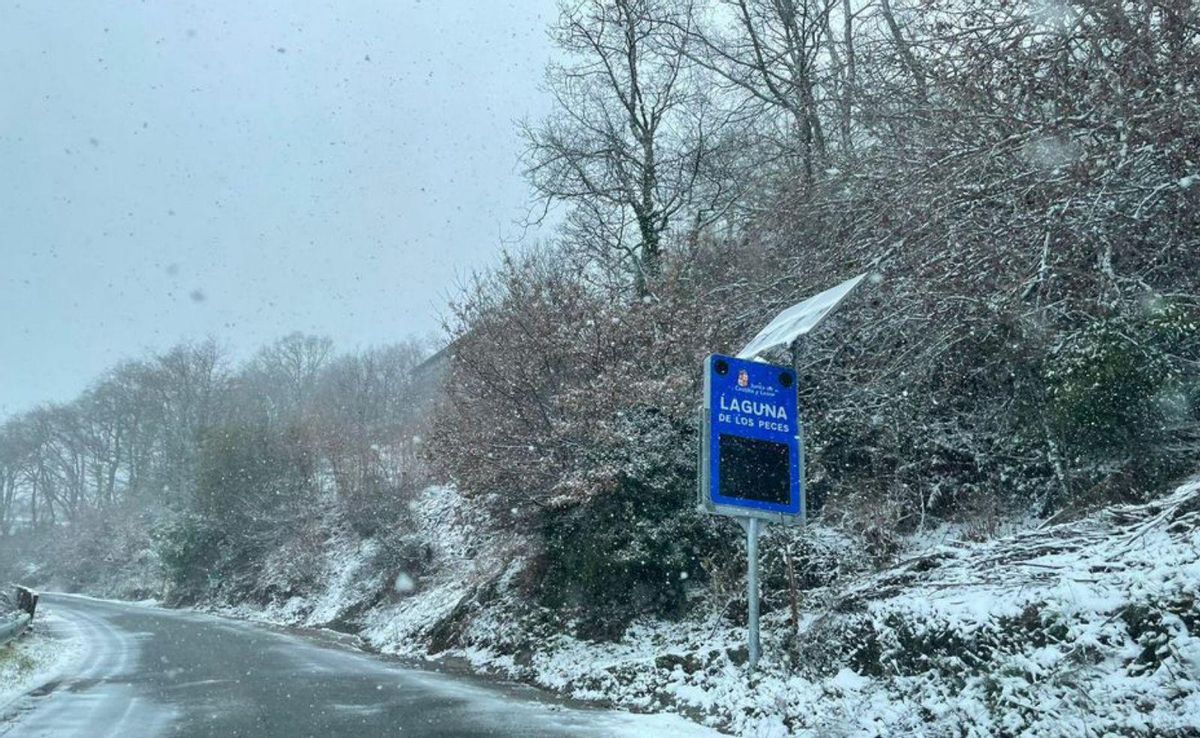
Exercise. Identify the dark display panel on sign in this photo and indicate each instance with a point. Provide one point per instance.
(754, 470)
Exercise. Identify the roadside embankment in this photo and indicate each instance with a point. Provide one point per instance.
(1085, 627)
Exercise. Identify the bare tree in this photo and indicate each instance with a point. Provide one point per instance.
(282, 377)
(11, 464)
(189, 384)
(771, 51)
(367, 422)
(630, 143)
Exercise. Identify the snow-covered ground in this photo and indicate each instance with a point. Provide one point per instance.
(1077, 629)
(33, 659)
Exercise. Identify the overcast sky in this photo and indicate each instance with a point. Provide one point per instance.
(176, 170)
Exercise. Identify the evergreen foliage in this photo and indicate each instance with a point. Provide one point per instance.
(639, 545)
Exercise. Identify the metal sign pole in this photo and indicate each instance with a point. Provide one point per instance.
(751, 526)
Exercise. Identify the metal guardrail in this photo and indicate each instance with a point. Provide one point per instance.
(14, 626)
(15, 623)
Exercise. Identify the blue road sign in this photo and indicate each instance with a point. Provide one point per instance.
(751, 457)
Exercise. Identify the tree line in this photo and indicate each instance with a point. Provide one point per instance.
(244, 453)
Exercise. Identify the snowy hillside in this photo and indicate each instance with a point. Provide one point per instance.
(1081, 628)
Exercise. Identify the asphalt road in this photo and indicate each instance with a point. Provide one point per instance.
(145, 671)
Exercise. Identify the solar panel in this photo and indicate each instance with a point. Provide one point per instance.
(798, 319)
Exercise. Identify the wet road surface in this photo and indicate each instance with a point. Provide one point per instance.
(146, 671)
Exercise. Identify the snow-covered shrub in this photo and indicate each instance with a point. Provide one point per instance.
(295, 566)
(107, 551)
(190, 549)
(252, 495)
(1123, 387)
(399, 554)
(249, 473)
(573, 410)
(637, 545)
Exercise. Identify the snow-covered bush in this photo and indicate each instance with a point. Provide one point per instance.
(190, 548)
(105, 551)
(638, 544)
(1123, 388)
(573, 410)
(253, 492)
